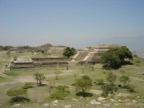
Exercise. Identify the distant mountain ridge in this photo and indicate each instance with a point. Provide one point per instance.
(139, 54)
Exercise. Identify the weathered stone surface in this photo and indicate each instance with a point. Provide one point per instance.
(55, 101)
(112, 100)
(129, 104)
(74, 99)
(106, 105)
(116, 104)
(68, 106)
(120, 100)
(100, 98)
(134, 101)
(94, 102)
(46, 104)
(17, 105)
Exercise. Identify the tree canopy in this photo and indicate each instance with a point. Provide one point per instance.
(68, 52)
(124, 79)
(115, 57)
(110, 87)
(84, 83)
(39, 78)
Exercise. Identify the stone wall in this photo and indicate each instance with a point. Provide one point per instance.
(41, 62)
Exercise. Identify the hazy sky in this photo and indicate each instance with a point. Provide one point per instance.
(77, 23)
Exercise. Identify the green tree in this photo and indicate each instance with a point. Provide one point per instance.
(68, 52)
(127, 52)
(39, 78)
(110, 60)
(110, 87)
(124, 79)
(83, 84)
(115, 57)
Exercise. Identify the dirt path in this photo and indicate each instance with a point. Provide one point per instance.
(95, 91)
(138, 79)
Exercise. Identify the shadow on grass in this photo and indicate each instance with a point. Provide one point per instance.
(127, 63)
(42, 85)
(84, 94)
(19, 99)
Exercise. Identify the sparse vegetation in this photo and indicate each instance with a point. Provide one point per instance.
(28, 85)
(60, 92)
(83, 84)
(39, 78)
(124, 79)
(17, 95)
(111, 78)
(110, 87)
(97, 82)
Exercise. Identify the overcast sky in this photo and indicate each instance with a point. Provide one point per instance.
(76, 23)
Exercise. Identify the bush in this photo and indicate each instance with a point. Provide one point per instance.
(120, 86)
(19, 99)
(109, 89)
(84, 94)
(28, 85)
(99, 81)
(17, 95)
(59, 95)
(131, 88)
(60, 92)
(62, 88)
(83, 84)
(124, 79)
(13, 92)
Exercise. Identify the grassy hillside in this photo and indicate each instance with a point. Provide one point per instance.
(39, 95)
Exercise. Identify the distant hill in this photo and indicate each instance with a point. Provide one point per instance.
(139, 54)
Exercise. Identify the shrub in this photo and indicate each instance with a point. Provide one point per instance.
(14, 92)
(19, 99)
(84, 94)
(62, 88)
(60, 92)
(120, 86)
(111, 78)
(109, 89)
(58, 95)
(99, 81)
(83, 84)
(28, 85)
(131, 88)
(39, 78)
(124, 79)
(17, 95)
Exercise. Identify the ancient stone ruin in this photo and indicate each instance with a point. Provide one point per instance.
(91, 55)
(27, 62)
